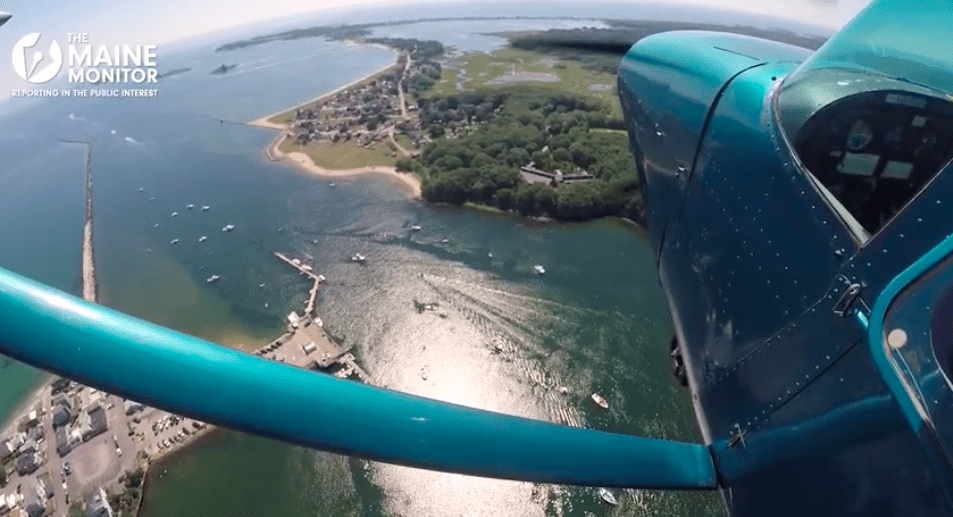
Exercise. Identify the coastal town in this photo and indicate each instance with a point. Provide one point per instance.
(78, 451)
(378, 109)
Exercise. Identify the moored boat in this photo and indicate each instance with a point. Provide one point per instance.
(600, 401)
(212, 278)
(607, 496)
(540, 269)
(228, 228)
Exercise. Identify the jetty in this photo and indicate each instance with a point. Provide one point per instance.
(306, 343)
(89, 263)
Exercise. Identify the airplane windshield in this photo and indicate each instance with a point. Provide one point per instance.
(870, 114)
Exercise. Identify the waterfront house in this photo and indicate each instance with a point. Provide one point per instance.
(97, 505)
(6, 449)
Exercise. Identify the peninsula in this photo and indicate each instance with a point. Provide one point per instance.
(366, 127)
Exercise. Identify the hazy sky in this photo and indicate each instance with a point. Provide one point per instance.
(143, 22)
(158, 22)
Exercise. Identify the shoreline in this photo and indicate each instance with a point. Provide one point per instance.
(304, 163)
(263, 121)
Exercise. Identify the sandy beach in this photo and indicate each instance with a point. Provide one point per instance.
(263, 121)
(304, 162)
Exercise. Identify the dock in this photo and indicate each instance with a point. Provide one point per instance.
(306, 343)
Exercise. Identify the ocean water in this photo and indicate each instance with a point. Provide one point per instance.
(595, 322)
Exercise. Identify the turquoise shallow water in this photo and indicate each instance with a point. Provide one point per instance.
(595, 321)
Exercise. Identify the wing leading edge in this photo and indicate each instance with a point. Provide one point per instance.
(183, 374)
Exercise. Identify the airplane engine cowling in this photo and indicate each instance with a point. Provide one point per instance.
(669, 83)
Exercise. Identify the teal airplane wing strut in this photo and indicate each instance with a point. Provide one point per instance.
(120, 354)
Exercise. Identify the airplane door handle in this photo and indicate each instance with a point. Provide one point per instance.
(846, 300)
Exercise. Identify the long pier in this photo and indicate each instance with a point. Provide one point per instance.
(89, 263)
(307, 271)
(306, 343)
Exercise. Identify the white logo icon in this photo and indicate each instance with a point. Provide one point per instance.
(30, 72)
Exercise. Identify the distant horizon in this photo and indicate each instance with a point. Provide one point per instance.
(33, 17)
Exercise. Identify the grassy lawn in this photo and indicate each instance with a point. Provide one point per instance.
(343, 156)
(404, 141)
(283, 118)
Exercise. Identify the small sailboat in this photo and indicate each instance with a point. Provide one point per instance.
(607, 496)
(539, 269)
(190, 206)
(228, 228)
(175, 214)
(203, 238)
(212, 278)
(174, 241)
(600, 401)
(205, 208)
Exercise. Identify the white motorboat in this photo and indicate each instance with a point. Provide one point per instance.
(607, 496)
(261, 286)
(203, 238)
(190, 206)
(415, 228)
(358, 258)
(141, 189)
(540, 269)
(600, 401)
(205, 208)
(228, 228)
(174, 241)
(152, 198)
(212, 278)
(175, 214)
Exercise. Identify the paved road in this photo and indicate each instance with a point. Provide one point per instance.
(54, 463)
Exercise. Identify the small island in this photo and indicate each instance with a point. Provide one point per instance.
(222, 69)
(174, 72)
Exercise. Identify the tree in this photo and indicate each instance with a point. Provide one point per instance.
(76, 510)
(562, 155)
(404, 165)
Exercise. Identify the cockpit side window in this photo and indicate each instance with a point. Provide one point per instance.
(873, 150)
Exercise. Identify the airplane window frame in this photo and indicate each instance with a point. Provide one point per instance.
(853, 226)
(858, 232)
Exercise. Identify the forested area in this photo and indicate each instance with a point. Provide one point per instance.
(501, 130)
